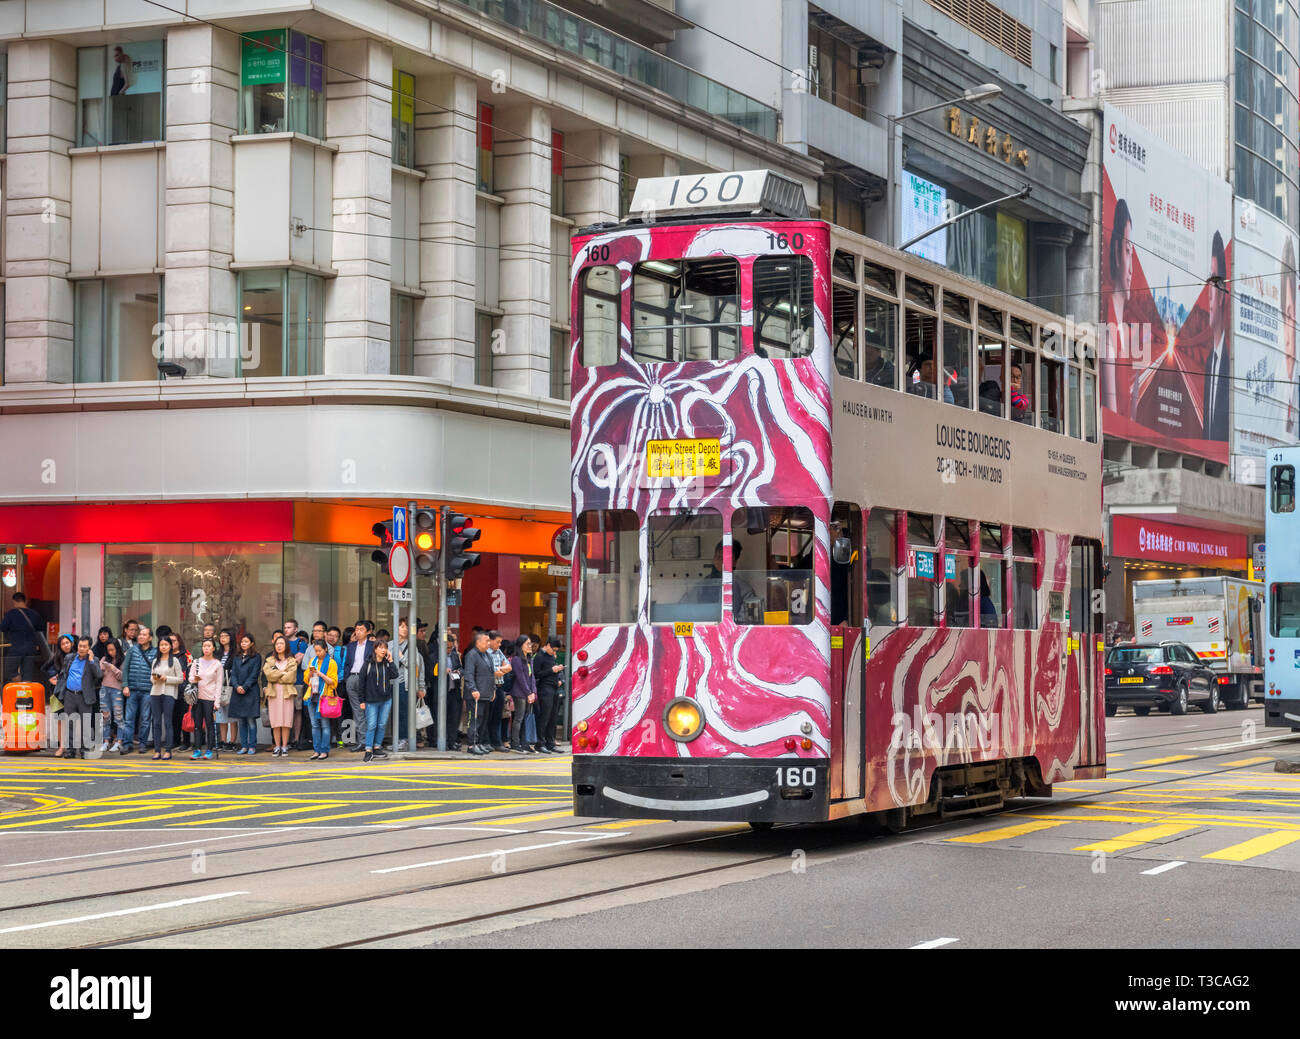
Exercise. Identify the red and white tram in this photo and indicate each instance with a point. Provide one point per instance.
(838, 516)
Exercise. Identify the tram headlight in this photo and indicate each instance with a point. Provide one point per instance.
(683, 720)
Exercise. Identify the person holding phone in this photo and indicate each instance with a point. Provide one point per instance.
(547, 672)
(321, 677)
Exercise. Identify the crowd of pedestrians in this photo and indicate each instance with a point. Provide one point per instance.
(154, 695)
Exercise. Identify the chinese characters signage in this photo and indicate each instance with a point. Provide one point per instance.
(987, 138)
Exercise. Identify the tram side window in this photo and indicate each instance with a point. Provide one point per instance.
(958, 568)
(685, 550)
(600, 316)
(844, 330)
(772, 565)
(955, 373)
(879, 341)
(1024, 577)
(992, 576)
(1090, 407)
(992, 362)
(686, 310)
(1051, 404)
(1022, 386)
(919, 341)
(882, 554)
(1284, 610)
(783, 306)
(1282, 483)
(922, 586)
(609, 559)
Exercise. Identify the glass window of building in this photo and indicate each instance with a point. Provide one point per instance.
(557, 173)
(488, 338)
(403, 119)
(685, 552)
(114, 328)
(832, 63)
(772, 565)
(559, 364)
(282, 324)
(120, 93)
(1266, 119)
(4, 99)
(485, 116)
(401, 335)
(282, 83)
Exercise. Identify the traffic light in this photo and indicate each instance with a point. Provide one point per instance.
(425, 522)
(384, 532)
(460, 535)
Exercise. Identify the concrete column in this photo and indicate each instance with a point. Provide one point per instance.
(523, 179)
(591, 176)
(201, 295)
(446, 149)
(358, 118)
(42, 127)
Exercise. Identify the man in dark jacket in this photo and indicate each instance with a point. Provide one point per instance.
(547, 671)
(355, 657)
(137, 686)
(78, 688)
(20, 627)
(480, 689)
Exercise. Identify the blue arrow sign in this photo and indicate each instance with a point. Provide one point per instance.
(399, 524)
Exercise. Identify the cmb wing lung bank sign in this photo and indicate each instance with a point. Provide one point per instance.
(1134, 538)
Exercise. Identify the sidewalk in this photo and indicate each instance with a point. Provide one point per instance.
(296, 757)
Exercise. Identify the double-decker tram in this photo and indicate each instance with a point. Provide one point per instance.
(1282, 598)
(838, 519)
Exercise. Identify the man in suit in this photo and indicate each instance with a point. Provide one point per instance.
(1217, 370)
(22, 626)
(355, 657)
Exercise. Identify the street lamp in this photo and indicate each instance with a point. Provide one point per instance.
(983, 92)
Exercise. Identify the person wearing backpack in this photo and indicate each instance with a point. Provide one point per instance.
(22, 627)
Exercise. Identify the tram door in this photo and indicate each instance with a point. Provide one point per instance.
(1087, 618)
(848, 655)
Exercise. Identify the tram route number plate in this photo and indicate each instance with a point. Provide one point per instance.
(684, 629)
(683, 458)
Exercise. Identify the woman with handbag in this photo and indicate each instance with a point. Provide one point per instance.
(181, 737)
(246, 693)
(524, 694)
(208, 676)
(320, 687)
(53, 672)
(227, 726)
(281, 671)
(167, 674)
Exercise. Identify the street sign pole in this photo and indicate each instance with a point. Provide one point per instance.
(410, 645)
(443, 736)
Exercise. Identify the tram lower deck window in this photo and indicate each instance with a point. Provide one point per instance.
(772, 564)
(685, 550)
(1284, 610)
(609, 562)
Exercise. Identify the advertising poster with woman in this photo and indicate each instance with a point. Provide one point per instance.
(1266, 401)
(1166, 268)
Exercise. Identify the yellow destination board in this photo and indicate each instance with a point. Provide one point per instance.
(683, 458)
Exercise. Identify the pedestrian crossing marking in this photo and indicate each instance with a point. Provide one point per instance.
(1137, 838)
(1255, 846)
(1168, 760)
(1003, 833)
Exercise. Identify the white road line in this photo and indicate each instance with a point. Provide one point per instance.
(1162, 869)
(1247, 744)
(492, 854)
(935, 943)
(124, 851)
(122, 912)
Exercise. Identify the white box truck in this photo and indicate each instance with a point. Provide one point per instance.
(1219, 618)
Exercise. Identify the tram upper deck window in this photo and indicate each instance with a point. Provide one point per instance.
(686, 310)
(1282, 488)
(609, 566)
(600, 316)
(992, 365)
(883, 279)
(1090, 407)
(844, 265)
(920, 333)
(783, 306)
(844, 330)
(955, 371)
(879, 341)
(1022, 386)
(772, 564)
(1051, 401)
(685, 550)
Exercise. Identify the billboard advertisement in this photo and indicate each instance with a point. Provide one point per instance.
(1266, 402)
(924, 205)
(1165, 348)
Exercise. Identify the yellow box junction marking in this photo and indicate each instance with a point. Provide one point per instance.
(1136, 838)
(1003, 833)
(1255, 846)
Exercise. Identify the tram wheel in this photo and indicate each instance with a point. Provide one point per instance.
(761, 827)
(1141, 712)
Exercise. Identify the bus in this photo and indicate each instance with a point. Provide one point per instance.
(838, 522)
(1282, 593)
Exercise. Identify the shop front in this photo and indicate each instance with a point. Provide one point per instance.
(1145, 549)
(250, 566)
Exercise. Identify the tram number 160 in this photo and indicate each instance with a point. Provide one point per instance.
(795, 776)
